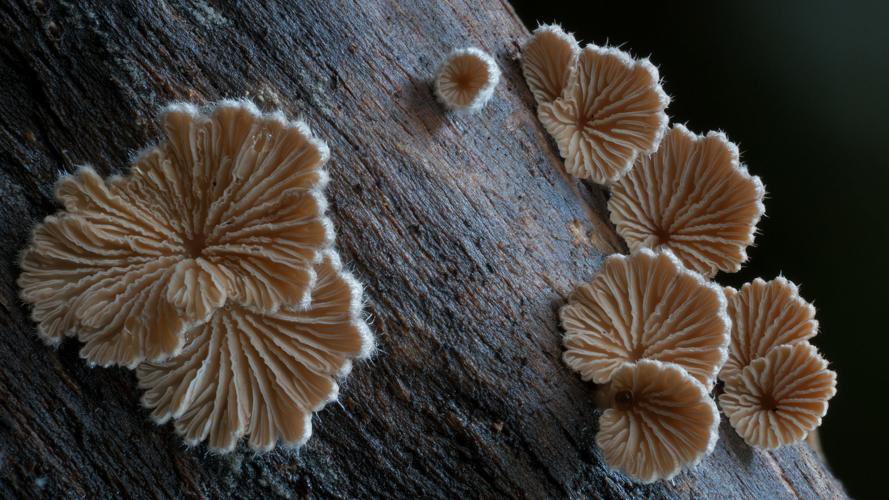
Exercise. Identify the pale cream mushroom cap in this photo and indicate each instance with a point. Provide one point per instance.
(227, 207)
(548, 61)
(261, 374)
(693, 197)
(466, 79)
(660, 421)
(779, 398)
(645, 306)
(611, 111)
(765, 314)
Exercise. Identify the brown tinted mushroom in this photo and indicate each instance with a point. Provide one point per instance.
(611, 111)
(466, 79)
(765, 315)
(660, 420)
(261, 374)
(548, 60)
(226, 208)
(693, 197)
(645, 306)
(779, 398)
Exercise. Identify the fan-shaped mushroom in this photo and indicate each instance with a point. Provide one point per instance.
(466, 79)
(611, 110)
(660, 420)
(262, 374)
(226, 208)
(779, 398)
(693, 197)
(765, 315)
(548, 61)
(645, 306)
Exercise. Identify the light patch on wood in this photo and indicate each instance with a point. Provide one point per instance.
(601, 237)
(578, 235)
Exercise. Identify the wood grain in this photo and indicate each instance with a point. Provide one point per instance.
(464, 228)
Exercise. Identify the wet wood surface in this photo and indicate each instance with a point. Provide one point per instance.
(464, 228)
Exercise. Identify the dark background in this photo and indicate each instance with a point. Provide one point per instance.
(803, 88)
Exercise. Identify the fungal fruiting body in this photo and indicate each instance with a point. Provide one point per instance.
(211, 259)
(226, 208)
(466, 79)
(658, 420)
(765, 315)
(548, 61)
(693, 197)
(611, 110)
(261, 374)
(776, 384)
(645, 306)
(779, 398)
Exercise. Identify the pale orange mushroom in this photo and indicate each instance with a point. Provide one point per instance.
(610, 112)
(227, 208)
(780, 398)
(693, 197)
(549, 58)
(261, 374)
(765, 315)
(466, 79)
(645, 306)
(658, 421)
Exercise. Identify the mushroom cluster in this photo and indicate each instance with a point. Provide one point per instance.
(651, 328)
(670, 188)
(209, 268)
(655, 335)
(777, 385)
(603, 107)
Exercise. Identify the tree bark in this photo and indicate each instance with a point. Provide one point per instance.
(464, 228)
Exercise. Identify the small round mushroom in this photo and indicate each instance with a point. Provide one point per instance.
(779, 398)
(611, 111)
(466, 79)
(660, 420)
(765, 315)
(693, 197)
(227, 208)
(548, 61)
(645, 306)
(261, 374)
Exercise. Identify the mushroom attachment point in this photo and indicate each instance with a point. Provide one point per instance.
(611, 110)
(466, 79)
(645, 306)
(660, 421)
(226, 208)
(765, 314)
(548, 61)
(779, 398)
(693, 197)
(261, 374)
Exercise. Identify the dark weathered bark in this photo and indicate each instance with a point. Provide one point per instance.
(464, 228)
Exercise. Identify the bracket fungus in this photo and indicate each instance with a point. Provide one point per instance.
(226, 209)
(693, 197)
(548, 61)
(779, 398)
(466, 79)
(261, 374)
(645, 306)
(611, 110)
(765, 315)
(658, 420)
